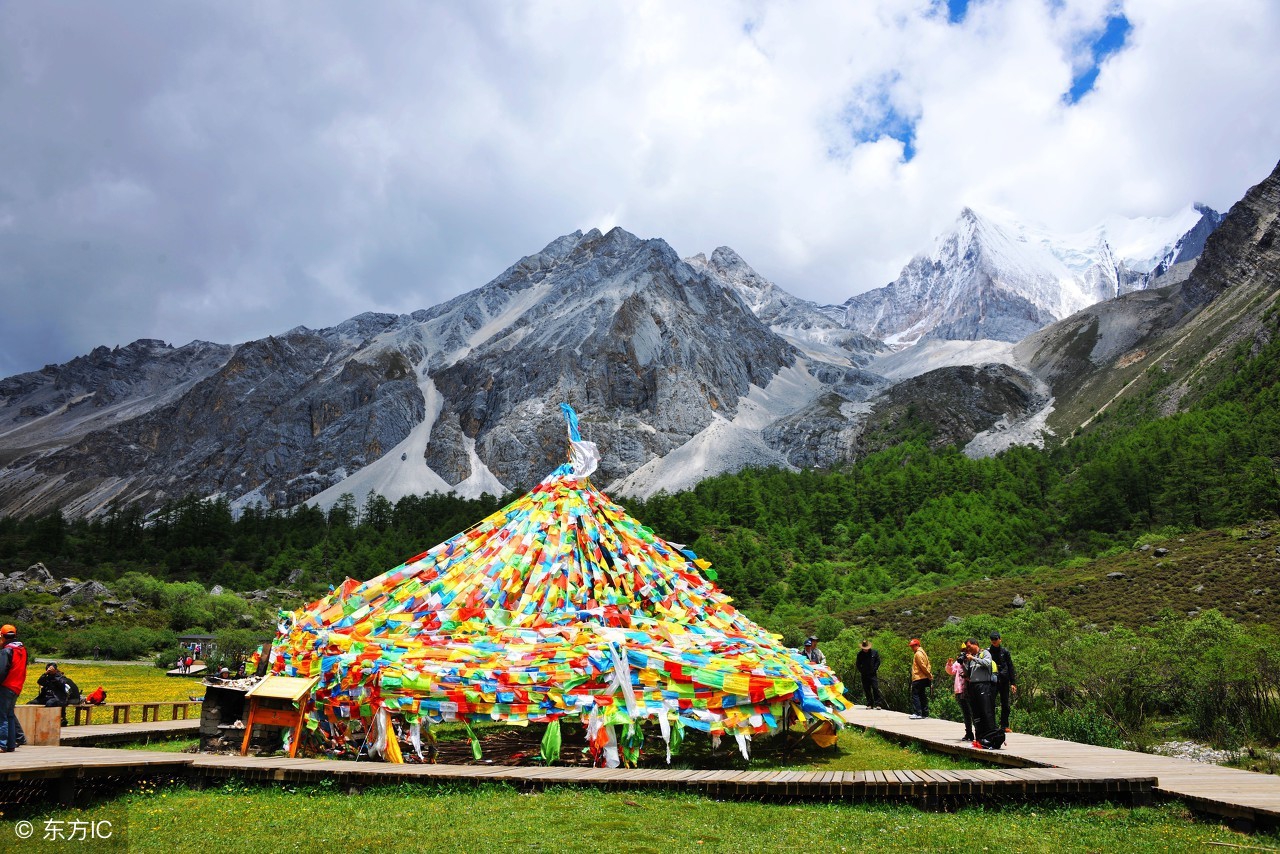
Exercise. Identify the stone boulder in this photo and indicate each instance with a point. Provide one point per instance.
(89, 591)
(37, 574)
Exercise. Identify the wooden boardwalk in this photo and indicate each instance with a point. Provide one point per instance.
(1229, 792)
(34, 774)
(88, 735)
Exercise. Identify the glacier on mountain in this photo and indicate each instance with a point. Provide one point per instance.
(993, 277)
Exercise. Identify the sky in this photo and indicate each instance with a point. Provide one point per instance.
(225, 171)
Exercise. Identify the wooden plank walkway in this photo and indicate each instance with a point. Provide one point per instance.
(87, 735)
(63, 771)
(1229, 792)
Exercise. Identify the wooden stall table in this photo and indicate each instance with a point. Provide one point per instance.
(271, 703)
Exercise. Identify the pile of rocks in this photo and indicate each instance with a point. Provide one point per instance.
(1196, 752)
(38, 579)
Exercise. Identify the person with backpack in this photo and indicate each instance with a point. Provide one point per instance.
(981, 671)
(868, 665)
(1006, 677)
(921, 680)
(57, 690)
(13, 675)
(960, 686)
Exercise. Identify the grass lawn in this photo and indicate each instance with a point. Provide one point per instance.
(163, 745)
(124, 683)
(499, 818)
(856, 750)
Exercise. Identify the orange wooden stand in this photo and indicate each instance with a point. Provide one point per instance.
(276, 689)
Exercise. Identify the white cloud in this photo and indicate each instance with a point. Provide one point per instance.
(227, 171)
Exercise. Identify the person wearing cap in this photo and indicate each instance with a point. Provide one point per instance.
(13, 674)
(57, 690)
(868, 664)
(981, 691)
(812, 652)
(921, 679)
(1006, 677)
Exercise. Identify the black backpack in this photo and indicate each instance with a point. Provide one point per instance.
(993, 740)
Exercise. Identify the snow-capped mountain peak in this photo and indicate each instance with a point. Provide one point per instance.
(992, 276)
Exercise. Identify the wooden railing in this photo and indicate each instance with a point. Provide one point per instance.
(121, 712)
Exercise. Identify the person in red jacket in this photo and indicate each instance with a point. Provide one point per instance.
(13, 673)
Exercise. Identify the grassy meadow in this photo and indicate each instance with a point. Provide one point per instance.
(500, 818)
(124, 683)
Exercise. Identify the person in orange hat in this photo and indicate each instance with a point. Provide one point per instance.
(13, 674)
(921, 679)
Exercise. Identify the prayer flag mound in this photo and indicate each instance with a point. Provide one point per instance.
(559, 606)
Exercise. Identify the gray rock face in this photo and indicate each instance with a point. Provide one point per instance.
(991, 280)
(822, 435)
(276, 409)
(954, 404)
(803, 323)
(43, 411)
(622, 329)
(646, 347)
(89, 591)
(37, 574)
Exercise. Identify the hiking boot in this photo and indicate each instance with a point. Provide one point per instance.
(977, 745)
(1006, 729)
(915, 717)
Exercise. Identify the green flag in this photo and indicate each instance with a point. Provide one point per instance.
(551, 743)
(475, 742)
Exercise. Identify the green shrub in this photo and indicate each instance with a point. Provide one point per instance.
(1087, 726)
(115, 643)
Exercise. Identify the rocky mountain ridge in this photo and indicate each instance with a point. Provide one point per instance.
(679, 368)
(995, 279)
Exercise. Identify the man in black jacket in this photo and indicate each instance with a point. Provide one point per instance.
(57, 689)
(1006, 677)
(868, 664)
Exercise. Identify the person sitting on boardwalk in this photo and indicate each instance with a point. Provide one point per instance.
(960, 687)
(1006, 677)
(13, 674)
(921, 679)
(981, 689)
(868, 664)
